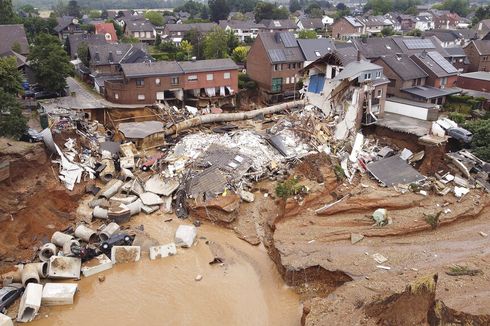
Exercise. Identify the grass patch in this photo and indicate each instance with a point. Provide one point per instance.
(424, 284)
(433, 219)
(339, 172)
(289, 188)
(458, 270)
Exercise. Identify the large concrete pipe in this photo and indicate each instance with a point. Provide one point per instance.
(47, 250)
(15, 275)
(135, 207)
(71, 247)
(42, 269)
(100, 212)
(108, 231)
(111, 188)
(86, 234)
(109, 171)
(59, 238)
(30, 274)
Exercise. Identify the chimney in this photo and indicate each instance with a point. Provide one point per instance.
(358, 55)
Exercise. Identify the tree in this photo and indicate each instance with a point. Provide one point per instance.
(94, 14)
(481, 13)
(415, 32)
(197, 40)
(481, 138)
(29, 10)
(239, 54)
(461, 7)
(216, 44)
(104, 14)
(294, 6)
(388, 31)
(231, 41)
(266, 10)
(192, 7)
(204, 12)
(7, 14)
(186, 47)
(311, 7)
(83, 53)
(35, 25)
(12, 122)
(242, 6)
(342, 10)
(73, 9)
(305, 34)
(154, 17)
(118, 28)
(219, 10)
(379, 7)
(10, 77)
(158, 40)
(50, 63)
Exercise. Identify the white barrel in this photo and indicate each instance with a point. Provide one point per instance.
(47, 250)
(59, 238)
(108, 231)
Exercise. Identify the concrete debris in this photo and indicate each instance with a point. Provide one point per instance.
(59, 238)
(460, 191)
(198, 278)
(111, 188)
(356, 237)
(150, 199)
(86, 234)
(380, 216)
(149, 209)
(57, 294)
(124, 199)
(163, 251)
(64, 267)
(383, 267)
(97, 265)
(100, 212)
(246, 196)
(379, 258)
(5, 320)
(483, 234)
(47, 250)
(394, 171)
(125, 254)
(185, 235)
(164, 187)
(120, 213)
(30, 303)
(108, 231)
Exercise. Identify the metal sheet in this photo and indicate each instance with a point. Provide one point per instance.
(393, 170)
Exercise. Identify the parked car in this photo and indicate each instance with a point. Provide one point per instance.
(146, 166)
(31, 136)
(41, 95)
(118, 239)
(8, 294)
(460, 134)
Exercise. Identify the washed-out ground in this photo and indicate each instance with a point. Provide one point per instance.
(335, 282)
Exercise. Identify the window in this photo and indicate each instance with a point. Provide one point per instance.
(116, 96)
(287, 80)
(367, 76)
(292, 80)
(378, 74)
(443, 81)
(141, 97)
(174, 81)
(192, 78)
(380, 92)
(140, 82)
(157, 81)
(209, 77)
(226, 75)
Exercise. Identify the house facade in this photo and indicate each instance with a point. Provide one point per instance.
(424, 23)
(447, 20)
(279, 25)
(478, 53)
(242, 28)
(142, 30)
(477, 81)
(347, 28)
(273, 62)
(67, 25)
(189, 81)
(176, 32)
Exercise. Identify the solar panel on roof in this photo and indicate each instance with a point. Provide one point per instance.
(288, 40)
(414, 44)
(276, 55)
(443, 63)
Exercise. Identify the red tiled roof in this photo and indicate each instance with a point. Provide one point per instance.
(108, 30)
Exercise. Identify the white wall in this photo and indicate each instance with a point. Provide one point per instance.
(407, 110)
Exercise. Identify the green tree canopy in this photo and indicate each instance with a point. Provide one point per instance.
(154, 17)
(7, 14)
(461, 7)
(50, 63)
(294, 6)
(304, 34)
(218, 9)
(481, 138)
(29, 10)
(12, 122)
(10, 77)
(197, 41)
(216, 44)
(192, 7)
(242, 6)
(83, 54)
(73, 9)
(379, 7)
(266, 10)
(186, 48)
(239, 54)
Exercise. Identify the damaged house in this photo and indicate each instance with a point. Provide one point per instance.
(352, 91)
(202, 83)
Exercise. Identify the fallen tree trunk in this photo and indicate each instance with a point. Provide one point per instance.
(226, 117)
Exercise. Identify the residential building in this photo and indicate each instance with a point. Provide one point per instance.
(108, 31)
(327, 21)
(483, 27)
(191, 82)
(74, 41)
(273, 62)
(447, 37)
(142, 30)
(176, 32)
(407, 22)
(458, 58)
(13, 37)
(347, 28)
(279, 25)
(67, 25)
(314, 49)
(392, 19)
(477, 81)
(413, 45)
(242, 28)
(374, 47)
(106, 59)
(310, 24)
(424, 23)
(478, 53)
(447, 20)
(373, 24)
(402, 73)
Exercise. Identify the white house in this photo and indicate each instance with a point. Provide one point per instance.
(242, 28)
(327, 21)
(424, 23)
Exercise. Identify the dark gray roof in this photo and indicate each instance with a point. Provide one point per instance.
(481, 75)
(419, 44)
(139, 26)
(278, 24)
(105, 54)
(312, 23)
(159, 68)
(74, 41)
(11, 34)
(240, 24)
(445, 35)
(207, 65)
(456, 51)
(315, 48)
(428, 92)
(483, 46)
(201, 27)
(375, 47)
(403, 66)
(434, 62)
(281, 47)
(63, 22)
(347, 55)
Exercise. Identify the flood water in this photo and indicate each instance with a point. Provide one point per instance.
(247, 290)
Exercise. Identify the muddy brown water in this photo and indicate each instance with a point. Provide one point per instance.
(246, 290)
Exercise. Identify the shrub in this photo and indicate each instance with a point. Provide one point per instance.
(289, 188)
